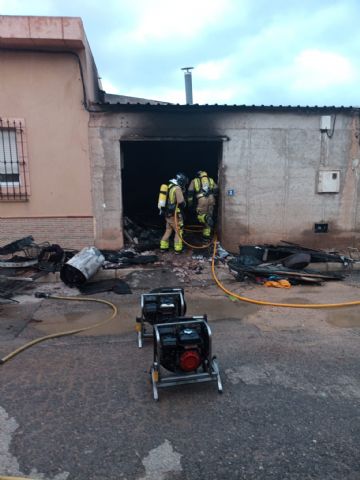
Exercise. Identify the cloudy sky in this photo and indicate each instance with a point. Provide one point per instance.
(279, 52)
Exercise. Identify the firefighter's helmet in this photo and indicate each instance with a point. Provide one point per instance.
(182, 180)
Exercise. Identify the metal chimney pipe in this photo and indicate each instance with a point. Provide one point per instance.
(188, 85)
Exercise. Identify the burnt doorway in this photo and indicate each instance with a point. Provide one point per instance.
(148, 164)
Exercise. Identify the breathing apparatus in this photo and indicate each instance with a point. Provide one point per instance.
(203, 183)
(162, 197)
(180, 180)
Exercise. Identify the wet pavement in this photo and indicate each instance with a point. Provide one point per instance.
(81, 407)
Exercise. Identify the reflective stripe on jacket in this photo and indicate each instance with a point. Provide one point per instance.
(172, 199)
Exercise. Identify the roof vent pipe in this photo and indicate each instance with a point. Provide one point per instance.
(188, 85)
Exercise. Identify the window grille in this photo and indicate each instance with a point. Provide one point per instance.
(13, 172)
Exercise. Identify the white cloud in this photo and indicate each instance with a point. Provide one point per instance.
(19, 7)
(213, 70)
(109, 87)
(316, 70)
(167, 19)
(242, 51)
(162, 20)
(216, 94)
(201, 95)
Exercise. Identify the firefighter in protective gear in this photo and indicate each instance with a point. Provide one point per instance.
(201, 195)
(175, 205)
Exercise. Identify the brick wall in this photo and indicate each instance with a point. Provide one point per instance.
(68, 232)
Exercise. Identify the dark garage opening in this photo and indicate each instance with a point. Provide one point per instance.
(148, 164)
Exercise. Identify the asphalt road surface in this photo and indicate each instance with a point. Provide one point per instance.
(81, 408)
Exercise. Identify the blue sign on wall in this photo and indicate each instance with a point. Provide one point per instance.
(231, 193)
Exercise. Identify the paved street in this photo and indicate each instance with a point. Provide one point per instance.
(81, 407)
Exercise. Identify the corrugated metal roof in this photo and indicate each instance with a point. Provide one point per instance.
(113, 99)
(221, 107)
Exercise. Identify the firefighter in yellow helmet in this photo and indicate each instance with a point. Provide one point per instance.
(201, 195)
(175, 205)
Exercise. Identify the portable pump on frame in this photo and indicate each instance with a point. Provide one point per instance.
(159, 306)
(182, 344)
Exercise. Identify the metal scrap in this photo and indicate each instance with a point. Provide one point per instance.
(81, 267)
(261, 262)
(125, 258)
(17, 245)
(18, 262)
(17, 271)
(142, 237)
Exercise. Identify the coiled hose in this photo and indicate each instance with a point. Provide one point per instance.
(67, 332)
(191, 229)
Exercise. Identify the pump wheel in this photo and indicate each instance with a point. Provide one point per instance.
(215, 367)
(154, 379)
(139, 338)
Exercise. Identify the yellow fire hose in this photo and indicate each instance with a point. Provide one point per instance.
(15, 478)
(273, 304)
(60, 334)
(189, 228)
(65, 333)
(261, 302)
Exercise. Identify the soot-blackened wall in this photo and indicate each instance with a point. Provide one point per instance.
(148, 164)
(268, 176)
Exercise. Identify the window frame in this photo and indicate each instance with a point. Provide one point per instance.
(18, 190)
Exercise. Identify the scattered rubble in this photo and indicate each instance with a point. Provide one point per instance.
(270, 253)
(23, 262)
(19, 267)
(17, 245)
(142, 237)
(126, 258)
(264, 263)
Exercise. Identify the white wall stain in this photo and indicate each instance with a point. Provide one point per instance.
(161, 461)
(9, 464)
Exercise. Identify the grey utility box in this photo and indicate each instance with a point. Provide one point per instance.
(329, 181)
(325, 123)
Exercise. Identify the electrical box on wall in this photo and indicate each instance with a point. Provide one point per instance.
(329, 181)
(325, 122)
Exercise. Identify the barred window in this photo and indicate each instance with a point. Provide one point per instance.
(14, 181)
(9, 162)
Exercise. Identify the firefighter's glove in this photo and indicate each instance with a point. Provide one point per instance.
(209, 221)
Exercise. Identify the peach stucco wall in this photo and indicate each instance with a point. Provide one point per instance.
(45, 90)
(24, 31)
(51, 33)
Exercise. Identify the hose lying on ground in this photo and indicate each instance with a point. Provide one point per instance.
(68, 332)
(14, 478)
(199, 247)
(273, 304)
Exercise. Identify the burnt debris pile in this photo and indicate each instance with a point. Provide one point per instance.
(140, 236)
(24, 261)
(288, 262)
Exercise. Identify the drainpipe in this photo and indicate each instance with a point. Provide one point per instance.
(188, 85)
